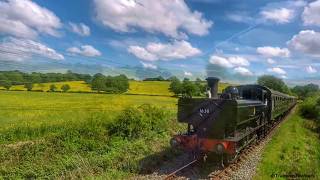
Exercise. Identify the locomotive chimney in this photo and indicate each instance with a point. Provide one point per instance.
(213, 85)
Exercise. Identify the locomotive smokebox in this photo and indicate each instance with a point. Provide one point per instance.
(213, 85)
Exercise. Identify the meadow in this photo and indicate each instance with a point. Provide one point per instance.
(73, 135)
(293, 150)
(66, 135)
(136, 87)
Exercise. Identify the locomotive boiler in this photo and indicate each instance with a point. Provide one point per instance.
(226, 123)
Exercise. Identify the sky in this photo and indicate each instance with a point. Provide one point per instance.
(235, 40)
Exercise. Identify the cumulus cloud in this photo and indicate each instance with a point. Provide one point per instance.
(271, 61)
(21, 49)
(80, 29)
(148, 65)
(159, 51)
(186, 73)
(284, 77)
(269, 51)
(311, 70)
(142, 53)
(228, 62)
(243, 71)
(278, 15)
(311, 14)
(172, 18)
(277, 70)
(24, 18)
(85, 50)
(307, 41)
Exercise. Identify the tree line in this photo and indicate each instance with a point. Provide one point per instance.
(302, 91)
(187, 88)
(20, 78)
(109, 84)
(98, 82)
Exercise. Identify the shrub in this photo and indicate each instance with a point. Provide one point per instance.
(28, 86)
(155, 117)
(310, 108)
(6, 84)
(53, 87)
(130, 124)
(135, 122)
(65, 87)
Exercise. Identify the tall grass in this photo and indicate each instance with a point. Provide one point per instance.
(94, 147)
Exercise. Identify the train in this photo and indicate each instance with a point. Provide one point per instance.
(226, 123)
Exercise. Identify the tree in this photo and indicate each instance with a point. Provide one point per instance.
(189, 89)
(306, 90)
(274, 83)
(53, 87)
(202, 87)
(28, 86)
(65, 87)
(7, 85)
(98, 82)
(175, 86)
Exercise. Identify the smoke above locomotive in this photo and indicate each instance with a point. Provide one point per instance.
(226, 123)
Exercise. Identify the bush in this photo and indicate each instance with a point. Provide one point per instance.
(65, 87)
(310, 108)
(28, 86)
(53, 88)
(135, 122)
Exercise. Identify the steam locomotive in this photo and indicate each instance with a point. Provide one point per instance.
(227, 123)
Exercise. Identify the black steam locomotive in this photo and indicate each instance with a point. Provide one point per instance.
(227, 123)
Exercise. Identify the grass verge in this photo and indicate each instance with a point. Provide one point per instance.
(294, 151)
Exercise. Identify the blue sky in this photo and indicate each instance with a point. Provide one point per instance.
(234, 40)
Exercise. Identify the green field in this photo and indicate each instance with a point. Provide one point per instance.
(36, 108)
(69, 135)
(293, 150)
(136, 87)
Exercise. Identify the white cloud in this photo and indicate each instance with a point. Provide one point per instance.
(172, 18)
(220, 61)
(159, 51)
(277, 70)
(148, 65)
(243, 71)
(284, 77)
(22, 49)
(80, 29)
(24, 18)
(311, 70)
(85, 50)
(269, 51)
(187, 73)
(278, 15)
(307, 41)
(311, 14)
(238, 61)
(240, 17)
(142, 53)
(271, 61)
(228, 62)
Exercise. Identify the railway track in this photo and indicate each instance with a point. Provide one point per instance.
(227, 171)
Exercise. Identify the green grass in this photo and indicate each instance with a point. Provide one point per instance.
(150, 87)
(66, 135)
(294, 149)
(37, 108)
